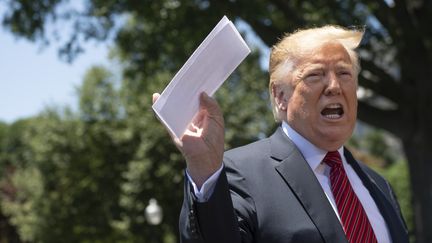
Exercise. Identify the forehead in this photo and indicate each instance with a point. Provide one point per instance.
(327, 53)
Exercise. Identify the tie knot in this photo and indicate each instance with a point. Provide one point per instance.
(333, 159)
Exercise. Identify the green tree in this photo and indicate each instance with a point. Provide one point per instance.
(69, 169)
(3, 130)
(82, 157)
(3, 136)
(8, 232)
(95, 171)
(98, 98)
(159, 35)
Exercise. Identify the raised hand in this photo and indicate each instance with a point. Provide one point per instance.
(202, 145)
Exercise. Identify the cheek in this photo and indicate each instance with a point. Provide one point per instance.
(299, 104)
(352, 99)
(353, 108)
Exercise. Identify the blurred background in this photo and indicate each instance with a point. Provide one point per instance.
(82, 157)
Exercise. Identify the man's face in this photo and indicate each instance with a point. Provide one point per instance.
(322, 102)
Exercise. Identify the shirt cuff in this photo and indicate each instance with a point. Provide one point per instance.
(203, 194)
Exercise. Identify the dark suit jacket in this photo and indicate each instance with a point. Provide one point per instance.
(268, 193)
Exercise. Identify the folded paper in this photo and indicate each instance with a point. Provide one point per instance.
(206, 69)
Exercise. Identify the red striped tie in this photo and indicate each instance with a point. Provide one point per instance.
(354, 219)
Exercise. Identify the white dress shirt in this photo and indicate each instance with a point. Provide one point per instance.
(314, 156)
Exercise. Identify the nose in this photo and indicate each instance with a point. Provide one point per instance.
(333, 86)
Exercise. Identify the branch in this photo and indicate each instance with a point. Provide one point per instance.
(286, 19)
(409, 25)
(423, 15)
(268, 34)
(385, 16)
(388, 92)
(413, 45)
(386, 85)
(386, 119)
(254, 13)
(289, 13)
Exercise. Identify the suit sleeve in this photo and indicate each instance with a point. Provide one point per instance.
(228, 215)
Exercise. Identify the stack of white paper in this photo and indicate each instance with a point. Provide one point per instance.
(205, 71)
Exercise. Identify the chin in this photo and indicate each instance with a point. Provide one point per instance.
(333, 139)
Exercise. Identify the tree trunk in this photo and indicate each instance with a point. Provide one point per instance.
(8, 233)
(419, 154)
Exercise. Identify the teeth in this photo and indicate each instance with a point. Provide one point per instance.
(334, 106)
(333, 116)
(332, 111)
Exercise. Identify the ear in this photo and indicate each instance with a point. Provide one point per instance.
(280, 96)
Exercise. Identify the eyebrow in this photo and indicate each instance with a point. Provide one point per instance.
(318, 64)
(342, 64)
(312, 66)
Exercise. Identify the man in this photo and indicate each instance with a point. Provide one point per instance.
(300, 184)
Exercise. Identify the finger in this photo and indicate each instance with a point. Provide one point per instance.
(155, 97)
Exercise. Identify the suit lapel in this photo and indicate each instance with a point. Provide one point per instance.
(300, 178)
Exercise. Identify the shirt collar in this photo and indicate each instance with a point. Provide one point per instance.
(312, 154)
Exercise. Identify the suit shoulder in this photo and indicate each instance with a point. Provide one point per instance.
(379, 179)
(372, 173)
(366, 169)
(249, 152)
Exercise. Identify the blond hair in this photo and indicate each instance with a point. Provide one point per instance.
(292, 47)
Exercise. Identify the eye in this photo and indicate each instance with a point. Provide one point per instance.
(313, 76)
(344, 74)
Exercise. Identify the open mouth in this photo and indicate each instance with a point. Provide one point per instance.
(333, 111)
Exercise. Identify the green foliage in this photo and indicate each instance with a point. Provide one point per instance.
(22, 208)
(98, 98)
(15, 152)
(82, 161)
(3, 129)
(28, 18)
(16, 182)
(377, 146)
(377, 143)
(3, 137)
(78, 166)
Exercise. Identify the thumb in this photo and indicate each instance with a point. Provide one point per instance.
(209, 104)
(155, 97)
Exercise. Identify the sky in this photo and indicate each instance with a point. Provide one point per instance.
(32, 78)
